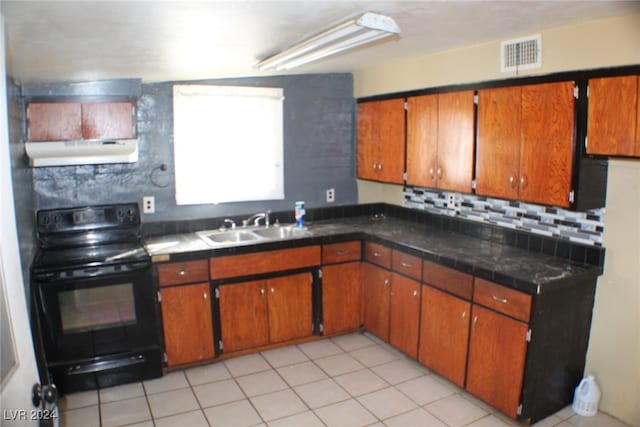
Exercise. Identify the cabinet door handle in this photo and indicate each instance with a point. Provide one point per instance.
(406, 264)
(415, 293)
(432, 173)
(473, 324)
(524, 181)
(386, 282)
(498, 299)
(513, 181)
(206, 295)
(463, 317)
(377, 254)
(273, 290)
(380, 167)
(439, 173)
(375, 166)
(262, 291)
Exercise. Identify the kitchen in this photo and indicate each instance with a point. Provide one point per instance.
(592, 40)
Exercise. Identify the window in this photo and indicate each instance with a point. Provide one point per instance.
(227, 143)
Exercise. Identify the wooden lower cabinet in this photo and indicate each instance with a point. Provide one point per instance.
(376, 283)
(244, 320)
(262, 312)
(341, 297)
(187, 323)
(404, 314)
(497, 351)
(289, 305)
(444, 334)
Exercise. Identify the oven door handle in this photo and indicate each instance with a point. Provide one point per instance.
(106, 365)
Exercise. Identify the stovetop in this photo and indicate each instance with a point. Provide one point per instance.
(88, 237)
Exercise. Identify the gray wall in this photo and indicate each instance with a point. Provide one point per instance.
(22, 177)
(319, 153)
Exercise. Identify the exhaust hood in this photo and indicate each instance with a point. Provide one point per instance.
(82, 152)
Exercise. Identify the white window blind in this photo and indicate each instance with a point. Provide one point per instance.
(227, 143)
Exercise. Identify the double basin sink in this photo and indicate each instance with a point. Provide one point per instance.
(218, 238)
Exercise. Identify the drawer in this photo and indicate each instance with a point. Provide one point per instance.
(341, 252)
(176, 273)
(377, 254)
(264, 262)
(448, 280)
(406, 264)
(500, 298)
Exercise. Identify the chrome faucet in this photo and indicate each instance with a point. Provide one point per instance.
(256, 219)
(228, 221)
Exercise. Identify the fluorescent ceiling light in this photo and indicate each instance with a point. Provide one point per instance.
(347, 35)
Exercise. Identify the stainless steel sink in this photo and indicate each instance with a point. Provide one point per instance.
(215, 238)
(285, 232)
(218, 238)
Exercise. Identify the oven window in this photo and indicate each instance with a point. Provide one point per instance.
(101, 307)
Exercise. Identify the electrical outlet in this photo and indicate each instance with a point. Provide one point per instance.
(331, 195)
(451, 201)
(149, 204)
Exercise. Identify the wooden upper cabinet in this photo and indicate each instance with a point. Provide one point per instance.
(422, 140)
(112, 120)
(498, 147)
(440, 132)
(526, 145)
(49, 121)
(60, 121)
(455, 141)
(613, 125)
(546, 164)
(381, 140)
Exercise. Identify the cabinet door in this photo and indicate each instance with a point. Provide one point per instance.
(422, 140)
(367, 149)
(613, 116)
(444, 334)
(187, 323)
(289, 305)
(391, 129)
(375, 287)
(341, 298)
(107, 120)
(498, 148)
(455, 141)
(243, 315)
(404, 314)
(547, 143)
(54, 121)
(381, 135)
(497, 350)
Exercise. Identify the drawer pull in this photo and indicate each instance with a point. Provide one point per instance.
(377, 254)
(415, 293)
(343, 252)
(182, 272)
(406, 264)
(498, 299)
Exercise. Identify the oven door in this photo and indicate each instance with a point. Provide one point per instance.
(87, 317)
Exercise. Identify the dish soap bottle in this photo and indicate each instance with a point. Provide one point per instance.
(299, 213)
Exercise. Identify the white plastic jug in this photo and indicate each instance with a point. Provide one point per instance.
(586, 397)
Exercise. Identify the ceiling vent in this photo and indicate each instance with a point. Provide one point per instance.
(521, 54)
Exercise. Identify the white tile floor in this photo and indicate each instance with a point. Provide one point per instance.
(352, 380)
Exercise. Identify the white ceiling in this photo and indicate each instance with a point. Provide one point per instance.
(184, 40)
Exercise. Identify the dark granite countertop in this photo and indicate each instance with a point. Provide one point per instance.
(531, 272)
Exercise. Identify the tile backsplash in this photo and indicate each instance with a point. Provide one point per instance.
(580, 227)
